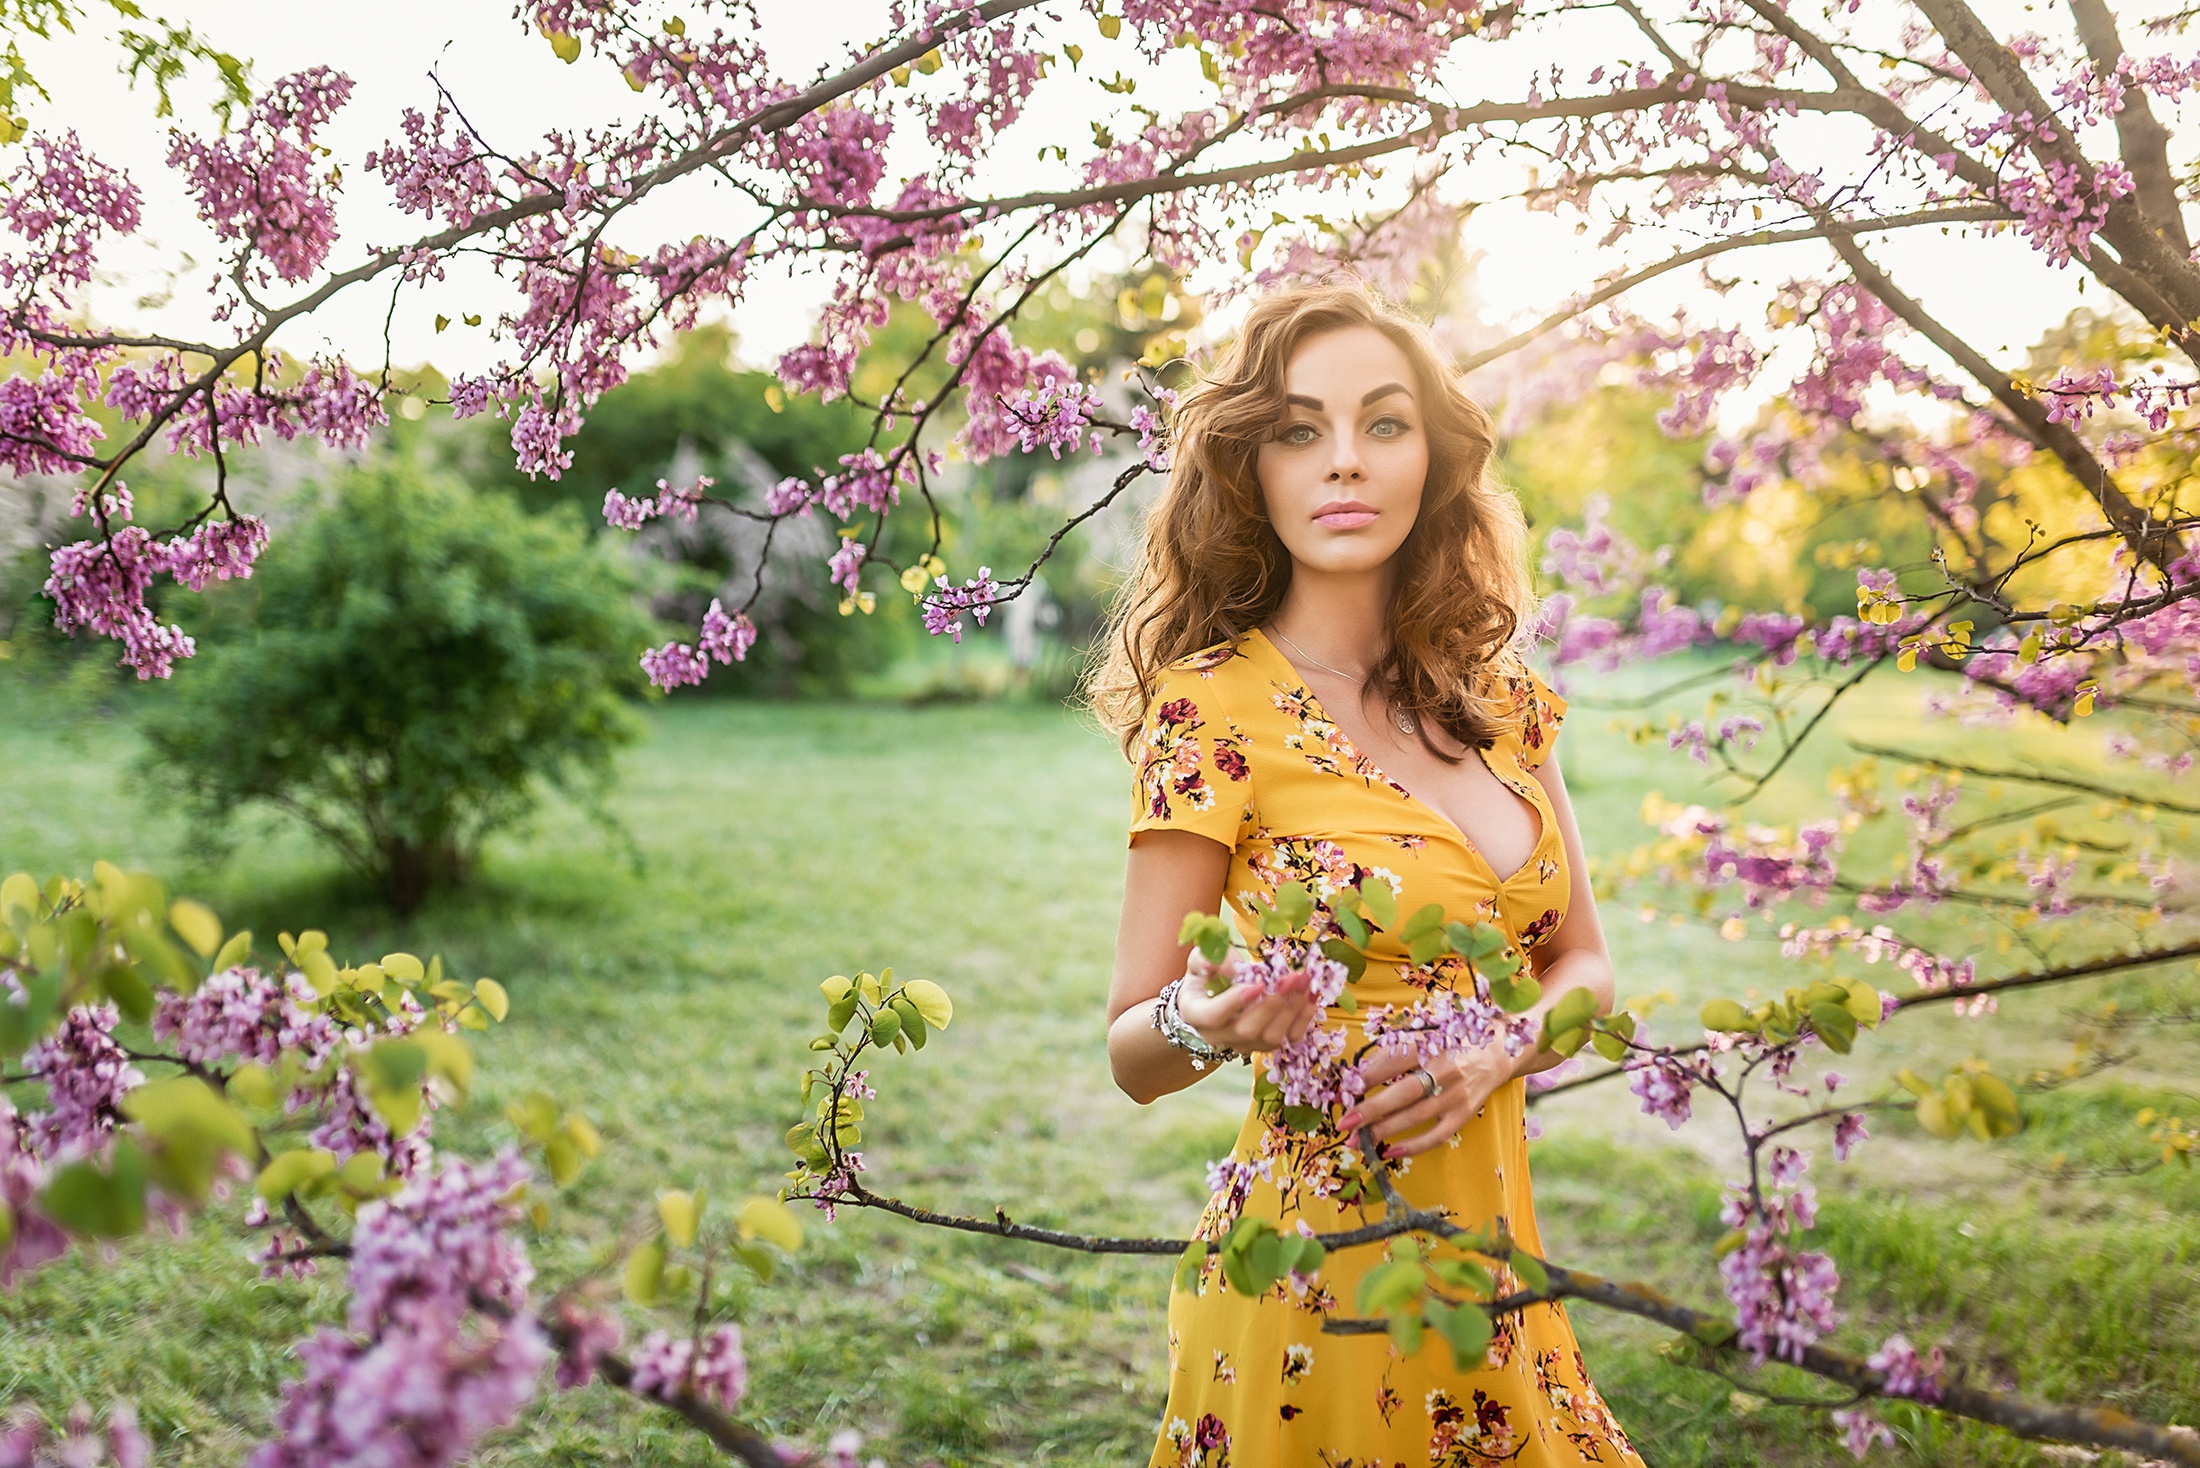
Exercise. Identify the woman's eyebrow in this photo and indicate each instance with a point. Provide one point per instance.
(1299, 399)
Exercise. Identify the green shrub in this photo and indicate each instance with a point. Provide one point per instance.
(408, 668)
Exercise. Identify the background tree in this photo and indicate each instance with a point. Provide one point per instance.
(407, 673)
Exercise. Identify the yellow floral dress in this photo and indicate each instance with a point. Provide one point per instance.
(1235, 747)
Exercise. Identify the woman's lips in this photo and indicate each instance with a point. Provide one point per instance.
(1349, 516)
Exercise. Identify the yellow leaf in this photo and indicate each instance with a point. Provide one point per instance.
(19, 891)
(1111, 26)
(490, 995)
(319, 969)
(931, 1002)
(768, 1218)
(678, 1212)
(403, 967)
(441, 321)
(196, 924)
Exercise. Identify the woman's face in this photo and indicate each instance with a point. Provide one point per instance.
(1342, 475)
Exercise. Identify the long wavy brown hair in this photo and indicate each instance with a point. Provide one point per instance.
(1211, 567)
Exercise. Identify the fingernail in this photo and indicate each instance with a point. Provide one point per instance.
(1351, 1120)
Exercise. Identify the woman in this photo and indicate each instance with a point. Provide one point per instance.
(1313, 670)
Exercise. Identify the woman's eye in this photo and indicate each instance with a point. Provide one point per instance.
(1388, 427)
(1296, 433)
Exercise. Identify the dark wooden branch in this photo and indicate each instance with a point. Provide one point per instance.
(2146, 536)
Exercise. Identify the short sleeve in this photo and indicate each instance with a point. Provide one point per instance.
(1191, 770)
(1537, 711)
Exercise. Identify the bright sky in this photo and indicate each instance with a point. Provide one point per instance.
(514, 89)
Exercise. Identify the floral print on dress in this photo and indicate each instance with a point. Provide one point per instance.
(1464, 1436)
(1541, 928)
(1170, 759)
(1206, 1445)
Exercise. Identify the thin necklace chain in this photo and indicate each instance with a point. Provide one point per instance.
(1403, 720)
(1360, 679)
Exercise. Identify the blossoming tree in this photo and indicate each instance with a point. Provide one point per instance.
(2054, 582)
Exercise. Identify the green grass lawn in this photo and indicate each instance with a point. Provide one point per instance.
(671, 995)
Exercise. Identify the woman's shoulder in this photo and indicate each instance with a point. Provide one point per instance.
(1529, 705)
(1219, 671)
(1209, 662)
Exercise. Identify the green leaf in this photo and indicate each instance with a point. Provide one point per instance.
(1610, 1046)
(1188, 1265)
(1429, 919)
(931, 1001)
(1381, 903)
(1465, 1328)
(1835, 1025)
(843, 1010)
(1516, 996)
(1405, 1332)
(1387, 1286)
(643, 1278)
(1912, 1082)
(132, 996)
(286, 1172)
(884, 1026)
(837, 988)
(1294, 903)
(233, 952)
(1354, 931)
(1530, 1271)
(1464, 1274)
(1355, 962)
(1575, 1007)
(1726, 1016)
(97, 1204)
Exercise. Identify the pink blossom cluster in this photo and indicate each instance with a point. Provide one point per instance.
(36, 1239)
(1737, 731)
(1665, 1083)
(669, 1367)
(438, 1348)
(1597, 559)
(943, 608)
(723, 638)
(1907, 1373)
(1151, 426)
(624, 513)
(258, 185)
(1770, 866)
(86, 1075)
(243, 1014)
(590, 1335)
(1056, 417)
(1782, 1295)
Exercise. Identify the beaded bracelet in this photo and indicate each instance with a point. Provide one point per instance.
(1174, 1028)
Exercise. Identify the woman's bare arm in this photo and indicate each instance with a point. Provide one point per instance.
(1169, 874)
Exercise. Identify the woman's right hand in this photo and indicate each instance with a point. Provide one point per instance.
(1245, 1017)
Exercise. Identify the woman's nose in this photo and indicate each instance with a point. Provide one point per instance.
(1345, 464)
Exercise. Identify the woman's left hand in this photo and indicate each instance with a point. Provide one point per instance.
(1397, 1102)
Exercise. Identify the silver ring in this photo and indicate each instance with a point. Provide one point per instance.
(1429, 1084)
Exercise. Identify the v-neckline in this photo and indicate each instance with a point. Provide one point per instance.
(1542, 816)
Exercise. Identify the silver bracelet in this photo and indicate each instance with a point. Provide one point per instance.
(1174, 1028)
